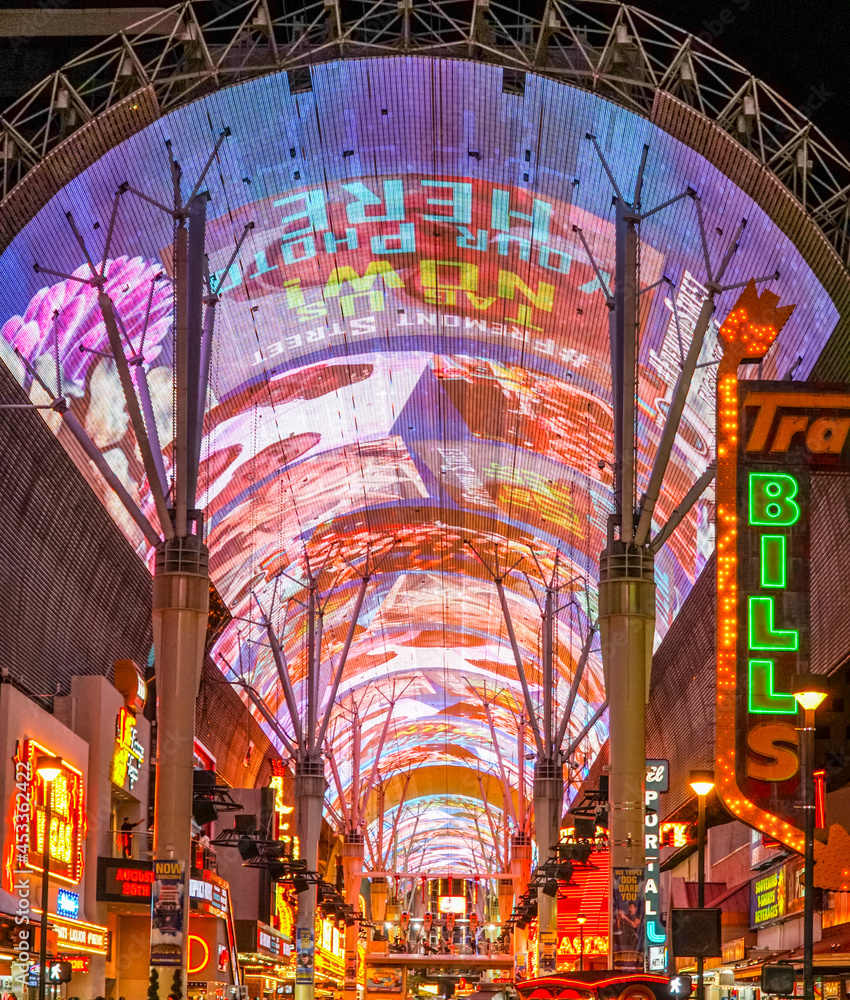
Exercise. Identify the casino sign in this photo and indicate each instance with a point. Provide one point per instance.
(770, 438)
(67, 816)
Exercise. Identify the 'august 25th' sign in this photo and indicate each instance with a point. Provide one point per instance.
(769, 437)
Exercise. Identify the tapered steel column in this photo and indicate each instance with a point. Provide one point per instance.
(310, 788)
(627, 629)
(352, 866)
(548, 793)
(181, 592)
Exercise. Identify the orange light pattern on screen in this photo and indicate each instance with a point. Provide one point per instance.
(747, 333)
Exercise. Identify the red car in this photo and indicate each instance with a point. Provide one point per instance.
(598, 986)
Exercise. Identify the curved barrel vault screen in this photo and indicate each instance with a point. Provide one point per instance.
(411, 353)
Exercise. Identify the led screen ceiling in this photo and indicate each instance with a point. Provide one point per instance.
(411, 353)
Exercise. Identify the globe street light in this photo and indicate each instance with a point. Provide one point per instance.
(702, 783)
(810, 691)
(47, 768)
(581, 922)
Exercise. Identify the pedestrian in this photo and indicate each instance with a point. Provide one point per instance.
(127, 836)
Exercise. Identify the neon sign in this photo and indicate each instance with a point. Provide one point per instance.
(67, 816)
(68, 903)
(768, 899)
(199, 954)
(674, 833)
(129, 752)
(78, 935)
(283, 815)
(657, 781)
(594, 944)
(767, 442)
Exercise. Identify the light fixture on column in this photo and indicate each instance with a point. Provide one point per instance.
(582, 920)
(809, 690)
(702, 783)
(48, 769)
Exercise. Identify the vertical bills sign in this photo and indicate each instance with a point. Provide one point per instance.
(769, 437)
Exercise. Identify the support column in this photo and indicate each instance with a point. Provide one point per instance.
(548, 793)
(181, 591)
(627, 629)
(352, 866)
(310, 788)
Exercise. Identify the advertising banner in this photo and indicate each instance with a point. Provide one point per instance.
(548, 949)
(305, 956)
(386, 979)
(627, 919)
(520, 966)
(168, 913)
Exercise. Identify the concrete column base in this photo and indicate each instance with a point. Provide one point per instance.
(310, 785)
(627, 632)
(180, 608)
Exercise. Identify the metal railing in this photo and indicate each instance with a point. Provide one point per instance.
(133, 846)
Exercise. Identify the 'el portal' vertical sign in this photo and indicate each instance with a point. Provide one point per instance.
(657, 781)
(769, 436)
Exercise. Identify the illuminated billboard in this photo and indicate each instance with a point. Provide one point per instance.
(769, 437)
(29, 812)
(411, 351)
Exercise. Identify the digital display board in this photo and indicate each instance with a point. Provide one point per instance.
(411, 352)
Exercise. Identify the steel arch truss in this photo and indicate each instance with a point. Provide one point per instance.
(609, 48)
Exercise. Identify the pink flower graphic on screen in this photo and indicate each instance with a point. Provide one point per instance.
(79, 322)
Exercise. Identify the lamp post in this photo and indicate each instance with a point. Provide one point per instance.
(702, 783)
(810, 691)
(47, 769)
(582, 920)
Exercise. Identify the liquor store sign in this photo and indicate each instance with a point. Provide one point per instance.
(77, 935)
(781, 432)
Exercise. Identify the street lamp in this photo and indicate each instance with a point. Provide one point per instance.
(582, 920)
(702, 783)
(810, 691)
(47, 769)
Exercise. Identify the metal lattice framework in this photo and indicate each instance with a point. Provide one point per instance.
(637, 60)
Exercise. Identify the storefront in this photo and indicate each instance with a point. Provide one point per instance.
(54, 813)
(264, 959)
(212, 961)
